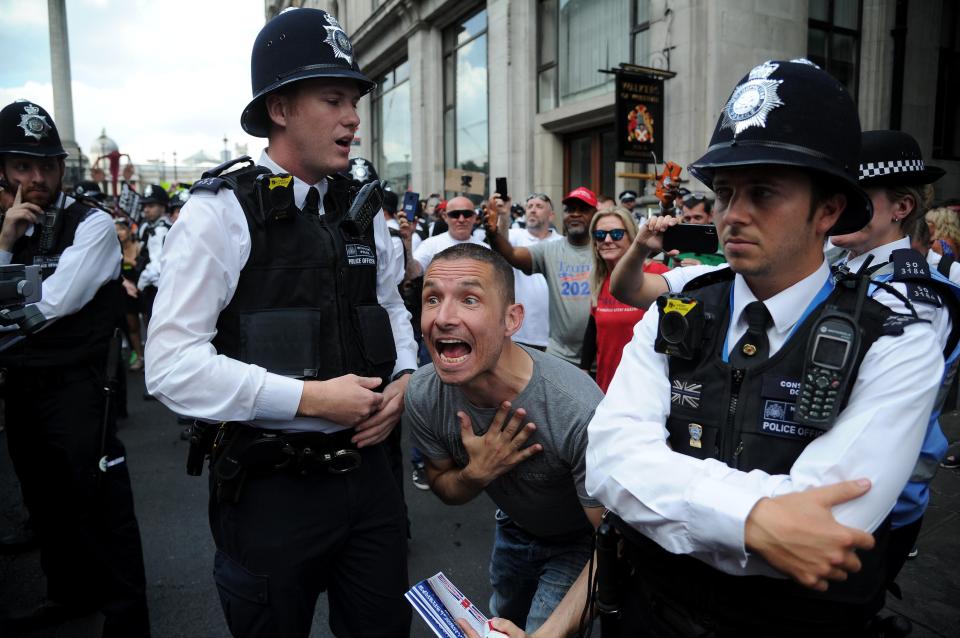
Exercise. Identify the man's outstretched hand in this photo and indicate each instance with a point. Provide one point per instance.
(797, 534)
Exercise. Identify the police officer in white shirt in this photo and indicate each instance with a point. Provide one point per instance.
(753, 467)
(278, 314)
(893, 173)
(65, 450)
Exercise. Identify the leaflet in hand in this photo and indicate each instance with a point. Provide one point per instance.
(441, 604)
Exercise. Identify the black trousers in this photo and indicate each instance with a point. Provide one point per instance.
(902, 540)
(290, 537)
(89, 539)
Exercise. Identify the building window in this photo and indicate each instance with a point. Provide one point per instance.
(946, 123)
(590, 160)
(576, 39)
(833, 39)
(391, 127)
(640, 33)
(465, 94)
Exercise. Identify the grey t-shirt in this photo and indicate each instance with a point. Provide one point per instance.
(544, 494)
(567, 271)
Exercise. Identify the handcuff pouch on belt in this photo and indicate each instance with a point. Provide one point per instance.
(246, 449)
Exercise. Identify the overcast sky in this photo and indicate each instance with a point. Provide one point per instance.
(161, 76)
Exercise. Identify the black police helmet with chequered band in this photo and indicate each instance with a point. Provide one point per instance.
(27, 129)
(296, 45)
(893, 158)
(361, 171)
(791, 113)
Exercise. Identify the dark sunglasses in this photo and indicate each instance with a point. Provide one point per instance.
(617, 234)
(457, 214)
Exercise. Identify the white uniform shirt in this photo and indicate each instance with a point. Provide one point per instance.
(700, 507)
(151, 272)
(91, 261)
(205, 251)
(397, 242)
(532, 292)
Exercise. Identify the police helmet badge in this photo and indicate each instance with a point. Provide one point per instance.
(696, 434)
(751, 102)
(338, 40)
(33, 124)
(148, 191)
(358, 170)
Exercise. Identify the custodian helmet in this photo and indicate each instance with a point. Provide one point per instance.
(26, 128)
(792, 113)
(296, 45)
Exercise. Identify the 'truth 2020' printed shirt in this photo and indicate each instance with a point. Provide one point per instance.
(567, 270)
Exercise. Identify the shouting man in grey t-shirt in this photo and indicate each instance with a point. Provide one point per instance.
(531, 463)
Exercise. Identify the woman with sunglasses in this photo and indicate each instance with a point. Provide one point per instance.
(611, 322)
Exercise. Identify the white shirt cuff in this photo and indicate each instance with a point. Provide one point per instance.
(279, 398)
(405, 361)
(5, 257)
(721, 528)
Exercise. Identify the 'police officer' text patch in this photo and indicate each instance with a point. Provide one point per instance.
(360, 255)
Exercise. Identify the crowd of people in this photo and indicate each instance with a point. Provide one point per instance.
(754, 422)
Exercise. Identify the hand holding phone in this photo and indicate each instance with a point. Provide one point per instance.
(502, 188)
(410, 202)
(691, 238)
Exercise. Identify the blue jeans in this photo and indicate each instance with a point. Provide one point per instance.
(530, 575)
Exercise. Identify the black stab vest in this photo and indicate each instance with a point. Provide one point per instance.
(744, 419)
(306, 301)
(74, 339)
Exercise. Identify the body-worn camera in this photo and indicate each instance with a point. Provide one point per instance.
(680, 330)
(275, 194)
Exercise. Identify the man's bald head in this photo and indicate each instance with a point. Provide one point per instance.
(460, 216)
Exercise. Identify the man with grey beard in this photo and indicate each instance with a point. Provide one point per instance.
(564, 264)
(532, 290)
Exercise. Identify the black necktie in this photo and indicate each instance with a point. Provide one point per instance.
(311, 205)
(753, 347)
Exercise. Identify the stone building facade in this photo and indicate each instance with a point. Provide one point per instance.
(512, 87)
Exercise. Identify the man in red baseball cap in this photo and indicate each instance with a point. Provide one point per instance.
(564, 264)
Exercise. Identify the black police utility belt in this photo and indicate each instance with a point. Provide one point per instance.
(81, 337)
(306, 302)
(746, 418)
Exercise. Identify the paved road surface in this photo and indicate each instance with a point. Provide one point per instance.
(171, 507)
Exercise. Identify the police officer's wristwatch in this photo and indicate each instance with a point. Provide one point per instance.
(401, 373)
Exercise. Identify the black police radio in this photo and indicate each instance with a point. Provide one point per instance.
(680, 329)
(827, 368)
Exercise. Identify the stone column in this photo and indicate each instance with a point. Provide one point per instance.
(62, 91)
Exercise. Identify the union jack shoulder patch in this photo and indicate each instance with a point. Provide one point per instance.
(685, 394)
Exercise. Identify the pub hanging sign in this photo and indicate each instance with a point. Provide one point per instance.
(639, 124)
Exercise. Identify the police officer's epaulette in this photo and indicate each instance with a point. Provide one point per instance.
(910, 268)
(213, 180)
(894, 323)
(717, 276)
